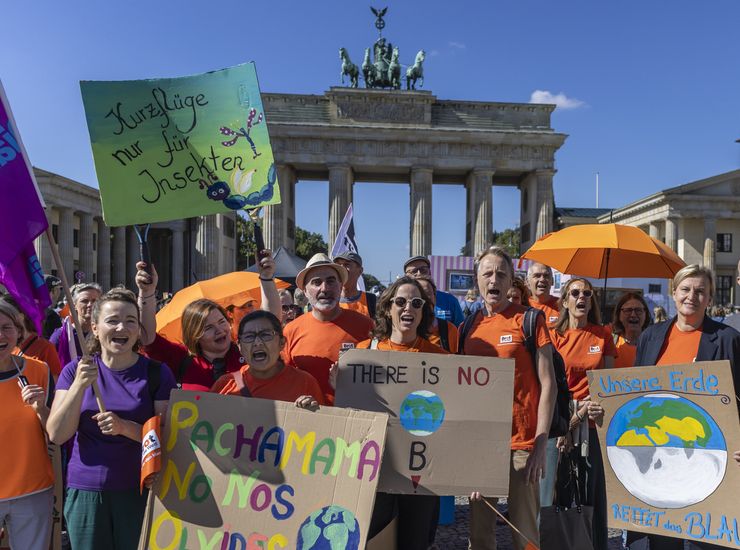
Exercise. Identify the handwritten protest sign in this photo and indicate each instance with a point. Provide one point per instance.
(174, 148)
(449, 431)
(252, 473)
(667, 441)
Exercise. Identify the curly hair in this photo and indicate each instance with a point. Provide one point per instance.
(383, 321)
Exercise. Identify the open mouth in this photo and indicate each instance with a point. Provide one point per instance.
(220, 339)
(407, 319)
(581, 306)
(120, 340)
(633, 321)
(495, 292)
(259, 355)
(3, 346)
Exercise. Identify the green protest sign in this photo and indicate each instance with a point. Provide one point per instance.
(175, 148)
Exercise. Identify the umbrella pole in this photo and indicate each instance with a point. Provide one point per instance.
(606, 277)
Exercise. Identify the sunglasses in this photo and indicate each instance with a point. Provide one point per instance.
(631, 310)
(575, 292)
(416, 303)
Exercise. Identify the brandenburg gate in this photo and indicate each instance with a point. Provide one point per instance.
(376, 135)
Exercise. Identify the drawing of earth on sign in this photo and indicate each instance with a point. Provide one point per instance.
(330, 528)
(422, 413)
(666, 451)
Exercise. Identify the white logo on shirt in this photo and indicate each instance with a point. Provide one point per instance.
(347, 345)
(506, 339)
(552, 319)
(594, 349)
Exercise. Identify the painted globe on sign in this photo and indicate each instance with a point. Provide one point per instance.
(667, 451)
(330, 528)
(422, 413)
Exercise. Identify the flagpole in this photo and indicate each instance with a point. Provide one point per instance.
(72, 310)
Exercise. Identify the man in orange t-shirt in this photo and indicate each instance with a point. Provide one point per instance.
(497, 331)
(314, 341)
(353, 298)
(539, 281)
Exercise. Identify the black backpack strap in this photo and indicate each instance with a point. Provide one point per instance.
(465, 329)
(444, 338)
(153, 377)
(529, 328)
(372, 301)
(183, 368)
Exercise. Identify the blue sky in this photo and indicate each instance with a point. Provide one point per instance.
(650, 90)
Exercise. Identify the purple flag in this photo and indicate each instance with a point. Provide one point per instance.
(22, 219)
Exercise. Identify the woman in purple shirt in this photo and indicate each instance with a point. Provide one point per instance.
(103, 505)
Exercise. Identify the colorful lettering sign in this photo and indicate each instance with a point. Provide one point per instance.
(174, 148)
(437, 405)
(253, 473)
(667, 441)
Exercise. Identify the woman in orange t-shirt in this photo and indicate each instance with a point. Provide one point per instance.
(402, 322)
(584, 345)
(631, 317)
(265, 375)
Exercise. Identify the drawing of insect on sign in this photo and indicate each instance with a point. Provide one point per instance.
(160, 152)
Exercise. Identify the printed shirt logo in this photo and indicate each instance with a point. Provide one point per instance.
(594, 349)
(347, 345)
(552, 319)
(506, 339)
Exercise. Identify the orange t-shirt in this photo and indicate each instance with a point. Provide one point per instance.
(583, 350)
(287, 385)
(313, 346)
(359, 305)
(626, 354)
(26, 466)
(679, 347)
(501, 335)
(420, 345)
(551, 309)
(453, 336)
(42, 350)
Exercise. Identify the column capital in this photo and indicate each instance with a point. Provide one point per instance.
(422, 170)
(545, 172)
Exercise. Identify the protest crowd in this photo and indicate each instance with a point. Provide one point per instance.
(285, 352)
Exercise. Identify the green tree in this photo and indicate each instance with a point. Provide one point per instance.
(508, 239)
(307, 244)
(372, 281)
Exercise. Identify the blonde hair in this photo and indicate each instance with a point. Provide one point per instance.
(194, 322)
(695, 270)
(594, 314)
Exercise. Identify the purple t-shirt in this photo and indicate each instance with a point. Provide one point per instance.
(104, 462)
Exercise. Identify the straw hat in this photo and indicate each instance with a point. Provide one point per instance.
(319, 260)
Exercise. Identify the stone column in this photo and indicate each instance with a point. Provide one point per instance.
(206, 247)
(653, 231)
(85, 246)
(545, 202)
(671, 234)
(527, 214)
(118, 276)
(710, 234)
(104, 259)
(279, 222)
(132, 256)
(178, 258)
(341, 180)
(65, 235)
(420, 231)
(479, 191)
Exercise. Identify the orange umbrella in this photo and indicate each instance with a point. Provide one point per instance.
(231, 289)
(605, 250)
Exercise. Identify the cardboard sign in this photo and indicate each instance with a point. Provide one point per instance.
(667, 441)
(175, 148)
(449, 431)
(244, 473)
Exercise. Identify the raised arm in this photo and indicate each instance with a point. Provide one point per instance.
(147, 284)
(270, 297)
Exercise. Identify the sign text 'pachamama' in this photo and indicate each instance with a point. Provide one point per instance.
(667, 441)
(449, 431)
(244, 473)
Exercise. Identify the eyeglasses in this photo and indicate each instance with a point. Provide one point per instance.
(575, 292)
(251, 337)
(287, 307)
(416, 303)
(419, 270)
(631, 310)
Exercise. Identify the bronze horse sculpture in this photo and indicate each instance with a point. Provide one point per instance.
(415, 72)
(349, 69)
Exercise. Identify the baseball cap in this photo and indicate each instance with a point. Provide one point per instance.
(350, 256)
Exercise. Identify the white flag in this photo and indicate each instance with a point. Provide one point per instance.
(345, 241)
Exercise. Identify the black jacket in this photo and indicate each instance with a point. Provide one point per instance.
(718, 341)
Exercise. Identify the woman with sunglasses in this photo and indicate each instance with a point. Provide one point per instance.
(265, 375)
(402, 322)
(584, 345)
(207, 350)
(631, 317)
